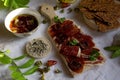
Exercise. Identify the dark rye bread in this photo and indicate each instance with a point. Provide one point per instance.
(101, 15)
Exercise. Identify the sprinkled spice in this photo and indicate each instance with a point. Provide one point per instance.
(38, 48)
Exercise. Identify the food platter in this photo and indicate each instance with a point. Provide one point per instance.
(109, 71)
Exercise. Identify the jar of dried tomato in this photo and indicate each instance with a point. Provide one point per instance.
(66, 3)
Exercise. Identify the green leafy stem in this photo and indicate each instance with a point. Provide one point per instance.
(13, 4)
(16, 73)
(114, 49)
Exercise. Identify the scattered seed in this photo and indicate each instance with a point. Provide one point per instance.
(77, 10)
(44, 21)
(69, 10)
(57, 71)
(56, 7)
(62, 11)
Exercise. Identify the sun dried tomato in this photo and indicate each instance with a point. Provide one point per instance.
(64, 5)
(51, 62)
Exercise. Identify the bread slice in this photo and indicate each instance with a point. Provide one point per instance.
(101, 15)
(67, 35)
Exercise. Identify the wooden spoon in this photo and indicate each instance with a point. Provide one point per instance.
(48, 11)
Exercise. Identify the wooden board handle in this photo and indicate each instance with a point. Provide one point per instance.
(48, 11)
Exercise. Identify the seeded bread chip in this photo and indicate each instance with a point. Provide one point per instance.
(101, 15)
(38, 48)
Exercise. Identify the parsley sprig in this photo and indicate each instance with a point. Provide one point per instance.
(115, 50)
(13, 4)
(59, 20)
(16, 73)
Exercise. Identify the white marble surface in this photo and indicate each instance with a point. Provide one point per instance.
(109, 71)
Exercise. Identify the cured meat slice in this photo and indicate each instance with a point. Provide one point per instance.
(70, 50)
(80, 55)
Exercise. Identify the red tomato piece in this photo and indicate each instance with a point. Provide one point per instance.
(51, 62)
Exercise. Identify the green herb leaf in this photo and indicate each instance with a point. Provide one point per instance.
(7, 51)
(27, 64)
(56, 18)
(112, 48)
(73, 42)
(20, 57)
(5, 60)
(31, 71)
(13, 4)
(94, 55)
(59, 20)
(22, 2)
(1, 55)
(13, 68)
(21, 78)
(16, 74)
(116, 54)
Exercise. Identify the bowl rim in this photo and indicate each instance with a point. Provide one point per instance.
(11, 15)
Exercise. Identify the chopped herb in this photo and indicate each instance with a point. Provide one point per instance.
(41, 70)
(56, 7)
(62, 11)
(59, 20)
(94, 55)
(38, 63)
(70, 10)
(44, 21)
(74, 42)
(46, 69)
(77, 10)
(57, 71)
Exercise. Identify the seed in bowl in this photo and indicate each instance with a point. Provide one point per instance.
(23, 23)
(38, 48)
